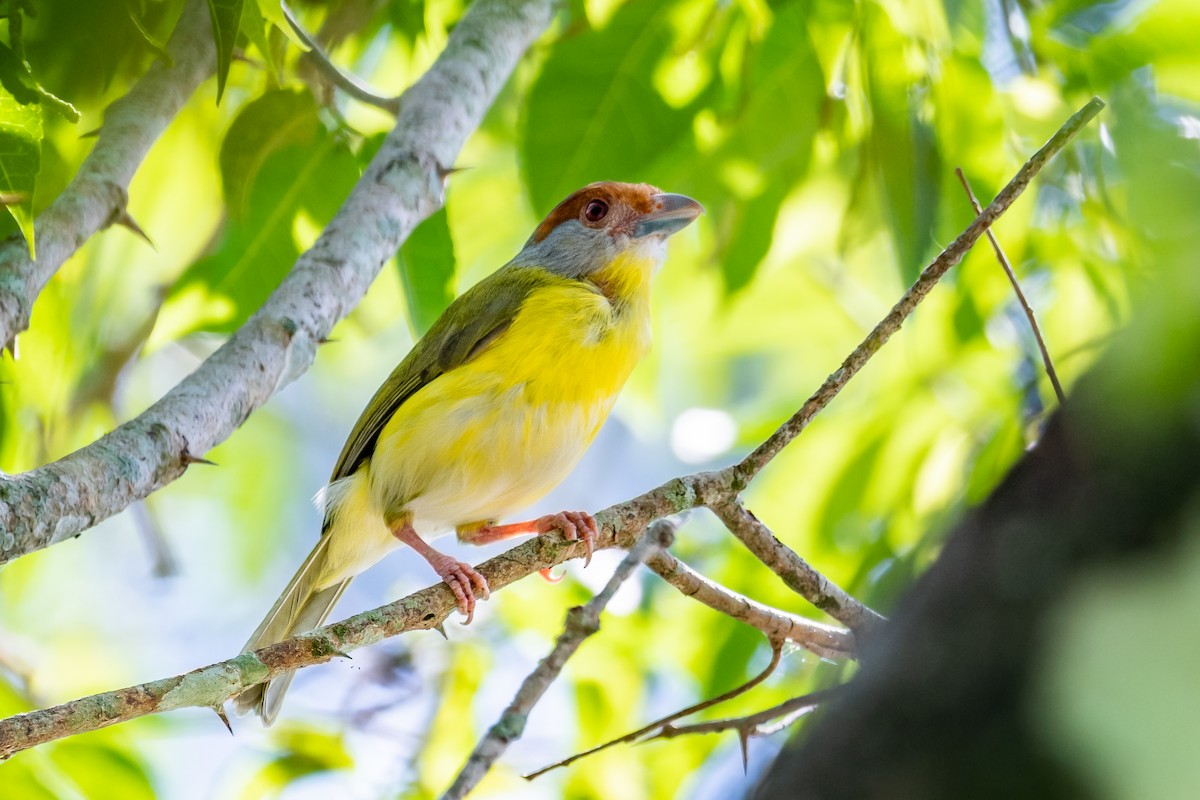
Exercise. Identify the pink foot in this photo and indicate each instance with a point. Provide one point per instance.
(463, 580)
(575, 525)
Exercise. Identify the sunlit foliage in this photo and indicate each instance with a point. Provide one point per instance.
(822, 137)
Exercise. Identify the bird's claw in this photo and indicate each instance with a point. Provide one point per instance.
(464, 581)
(575, 526)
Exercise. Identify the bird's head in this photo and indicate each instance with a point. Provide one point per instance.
(604, 221)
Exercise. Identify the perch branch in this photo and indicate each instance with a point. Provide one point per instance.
(762, 455)
(402, 186)
(1012, 278)
(582, 622)
(210, 686)
(96, 196)
(348, 83)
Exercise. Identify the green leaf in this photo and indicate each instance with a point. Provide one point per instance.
(226, 22)
(20, 160)
(426, 262)
(279, 119)
(18, 80)
(297, 186)
(272, 12)
(102, 770)
(255, 28)
(593, 114)
(769, 146)
(902, 145)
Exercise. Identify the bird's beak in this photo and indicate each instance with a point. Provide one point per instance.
(672, 213)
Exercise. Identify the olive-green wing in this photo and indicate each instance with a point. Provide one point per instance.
(469, 324)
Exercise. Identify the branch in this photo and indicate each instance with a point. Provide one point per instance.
(795, 571)
(762, 455)
(582, 622)
(824, 640)
(665, 722)
(96, 196)
(1012, 278)
(619, 525)
(335, 75)
(763, 723)
(401, 187)
(209, 687)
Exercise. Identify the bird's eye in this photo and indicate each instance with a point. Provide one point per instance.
(595, 211)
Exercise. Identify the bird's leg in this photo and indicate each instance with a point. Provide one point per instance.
(575, 526)
(462, 578)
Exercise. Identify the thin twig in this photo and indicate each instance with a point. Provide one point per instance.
(664, 722)
(762, 455)
(759, 724)
(348, 83)
(797, 573)
(582, 622)
(1012, 278)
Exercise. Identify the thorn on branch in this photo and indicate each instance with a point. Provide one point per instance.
(220, 710)
(126, 221)
(189, 459)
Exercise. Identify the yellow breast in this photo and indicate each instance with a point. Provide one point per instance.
(493, 435)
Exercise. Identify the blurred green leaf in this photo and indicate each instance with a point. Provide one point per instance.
(593, 114)
(296, 189)
(226, 22)
(279, 119)
(426, 263)
(272, 12)
(20, 159)
(102, 770)
(303, 751)
(769, 144)
(254, 26)
(902, 147)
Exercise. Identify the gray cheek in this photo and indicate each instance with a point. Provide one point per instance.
(571, 250)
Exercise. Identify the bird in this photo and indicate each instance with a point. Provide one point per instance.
(491, 408)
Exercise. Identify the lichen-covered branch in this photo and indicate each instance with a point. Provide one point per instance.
(96, 196)
(209, 687)
(402, 186)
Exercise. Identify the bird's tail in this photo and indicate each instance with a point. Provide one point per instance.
(304, 605)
